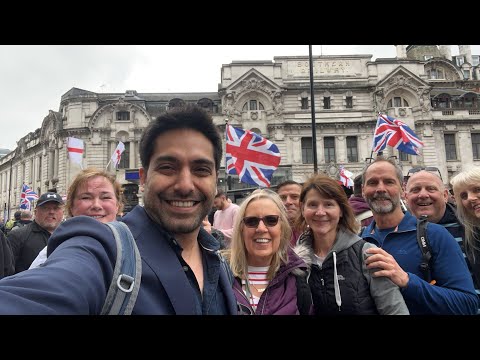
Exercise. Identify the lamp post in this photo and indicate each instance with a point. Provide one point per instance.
(314, 130)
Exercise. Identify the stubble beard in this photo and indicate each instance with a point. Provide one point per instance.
(172, 224)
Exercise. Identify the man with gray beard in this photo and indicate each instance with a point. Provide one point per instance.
(398, 255)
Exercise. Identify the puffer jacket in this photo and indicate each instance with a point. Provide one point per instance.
(343, 285)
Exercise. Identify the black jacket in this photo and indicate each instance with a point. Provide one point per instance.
(26, 243)
(6, 257)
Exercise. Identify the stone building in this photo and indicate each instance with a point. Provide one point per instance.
(433, 92)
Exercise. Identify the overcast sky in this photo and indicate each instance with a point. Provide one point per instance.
(33, 78)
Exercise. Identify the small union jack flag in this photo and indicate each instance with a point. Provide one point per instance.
(250, 156)
(397, 134)
(26, 197)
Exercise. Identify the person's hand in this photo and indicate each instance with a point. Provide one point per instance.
(387, 265)
(206, 225)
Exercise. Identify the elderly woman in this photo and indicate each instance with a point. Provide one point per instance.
(339, 280)
(269, 276)
(466, 189)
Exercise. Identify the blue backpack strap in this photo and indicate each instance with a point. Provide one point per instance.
(127, 273)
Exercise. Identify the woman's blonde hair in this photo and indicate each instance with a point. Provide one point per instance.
(459, 183)
(237, 255)
(87, 174)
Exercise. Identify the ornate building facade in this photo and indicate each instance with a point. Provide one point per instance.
(433, 92)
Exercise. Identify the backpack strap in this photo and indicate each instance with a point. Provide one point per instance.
(304, 295)
(127, 273)
(424, 245)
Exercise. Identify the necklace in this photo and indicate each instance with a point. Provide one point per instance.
(261, 290)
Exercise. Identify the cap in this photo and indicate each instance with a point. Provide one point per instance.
(50, 196)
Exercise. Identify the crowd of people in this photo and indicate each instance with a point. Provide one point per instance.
(304, 249)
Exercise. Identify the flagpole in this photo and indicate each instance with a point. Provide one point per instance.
(314, 130)
(225, 152)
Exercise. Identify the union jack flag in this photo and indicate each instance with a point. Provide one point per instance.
(27, 196)
(395, 133)
(250, 156)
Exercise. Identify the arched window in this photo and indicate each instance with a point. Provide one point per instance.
(442, 101)
(253, 105)
(205, 103)
(176, 103)
(397, 101)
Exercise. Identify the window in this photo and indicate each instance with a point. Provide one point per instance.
(123, 116)
(460, 60)
(326, 102)
(207, 104)
(397, 102)
(329, 148)
(125, 159)
(475, 60)
(176, 103)
(307, 150)
(442, 101)
(466, 74)
(304, 103)
(352, 153)
(476, 146)
(403, 156)
(435, 74)
(450, 148)
(349, 102)
(253, 105)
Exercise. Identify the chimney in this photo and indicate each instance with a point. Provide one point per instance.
(466, 51)
(446, 51)
(401, 51)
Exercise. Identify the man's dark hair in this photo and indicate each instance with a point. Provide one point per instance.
(220, 193)
(17, 215)
(187, 117)
(357, 185)
(287, 182)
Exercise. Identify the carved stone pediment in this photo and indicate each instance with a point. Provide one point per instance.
(252, 81)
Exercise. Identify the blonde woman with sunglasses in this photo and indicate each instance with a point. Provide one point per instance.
(270, 279)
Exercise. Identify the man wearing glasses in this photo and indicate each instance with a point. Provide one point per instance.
(427, 196)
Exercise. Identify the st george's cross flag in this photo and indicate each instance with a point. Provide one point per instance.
(250, 156)
(395, 133)
(346, 177)
(117, 154)
(75, 150)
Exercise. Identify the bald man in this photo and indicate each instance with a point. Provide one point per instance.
(427, 195)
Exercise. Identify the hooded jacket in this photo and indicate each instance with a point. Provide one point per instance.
(343, 285)
(280, 295)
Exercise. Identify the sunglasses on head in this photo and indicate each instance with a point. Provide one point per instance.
(268, 220)
(433, 169)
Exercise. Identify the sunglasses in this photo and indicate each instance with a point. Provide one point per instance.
(426, 168)
(253, 221)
